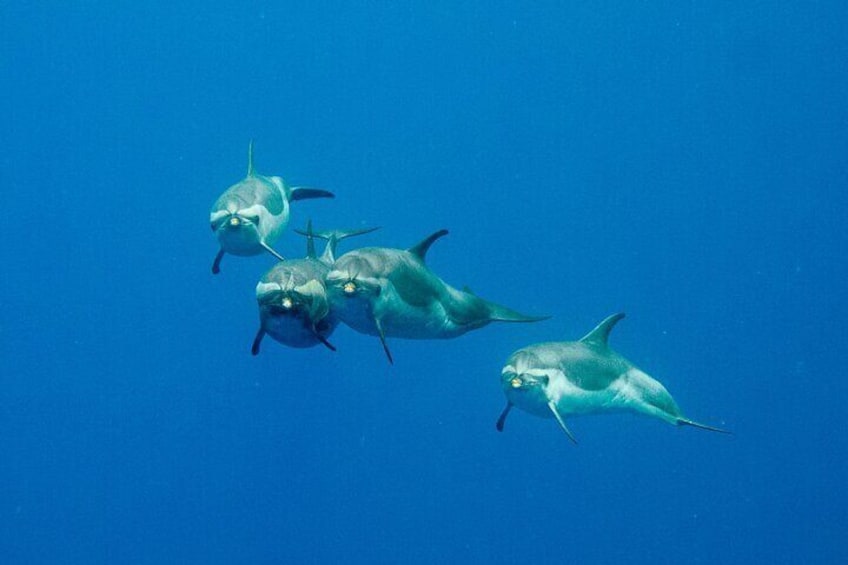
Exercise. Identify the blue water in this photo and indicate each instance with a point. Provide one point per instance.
(685, 162)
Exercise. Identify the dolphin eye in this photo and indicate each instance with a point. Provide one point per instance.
(349, 287)
(516, 382)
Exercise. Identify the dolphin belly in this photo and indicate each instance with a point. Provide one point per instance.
(432, 320)
(240, 242)
(638, 392)
(295, 331)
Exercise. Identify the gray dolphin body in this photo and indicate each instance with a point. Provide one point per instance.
(250, 215)
(293, 305)
(391, 293)
(560, 379)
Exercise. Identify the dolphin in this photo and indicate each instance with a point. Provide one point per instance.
(292, 298)
(392, 293)
(560, 379)
(250, 215)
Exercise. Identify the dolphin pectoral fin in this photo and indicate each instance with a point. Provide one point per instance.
(383, 340)
(502, 418)
(270, 250)
(254, 349)
(303, 193)
(323, 339)
(216, 264)
(687, 422)
(562, 425)
(326, 343)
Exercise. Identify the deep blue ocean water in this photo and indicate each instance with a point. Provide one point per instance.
(685, 162)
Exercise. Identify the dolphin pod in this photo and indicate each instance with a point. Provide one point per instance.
(293, 305)
(391, 293)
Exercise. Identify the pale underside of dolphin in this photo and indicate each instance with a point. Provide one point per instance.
(250, 216)
(389, 292)
(292, 299)
(561, 379)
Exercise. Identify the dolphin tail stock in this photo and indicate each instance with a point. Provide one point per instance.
(498, 313)
(692, 423)
(306, 193)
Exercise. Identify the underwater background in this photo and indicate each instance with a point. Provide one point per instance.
(684, 162)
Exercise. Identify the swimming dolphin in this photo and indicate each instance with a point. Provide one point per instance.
(250, 215)
(391, 293)
(292, 298)
(558, 379)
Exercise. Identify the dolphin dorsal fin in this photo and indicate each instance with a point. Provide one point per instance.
(251, 172)
(420, 249)
(600, 334)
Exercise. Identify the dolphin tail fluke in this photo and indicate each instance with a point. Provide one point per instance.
(498, 313)
(687, 422)
(502, 418)
(304, 193)
(216, 264)
(332, 238)
(257, 341)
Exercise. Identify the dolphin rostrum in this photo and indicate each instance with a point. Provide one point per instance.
(250, 215)
(292, 298)
(560, 379)
(392, 293)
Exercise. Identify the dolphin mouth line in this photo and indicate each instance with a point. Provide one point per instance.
(524, 382)
(277, 308)
(233, 221)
